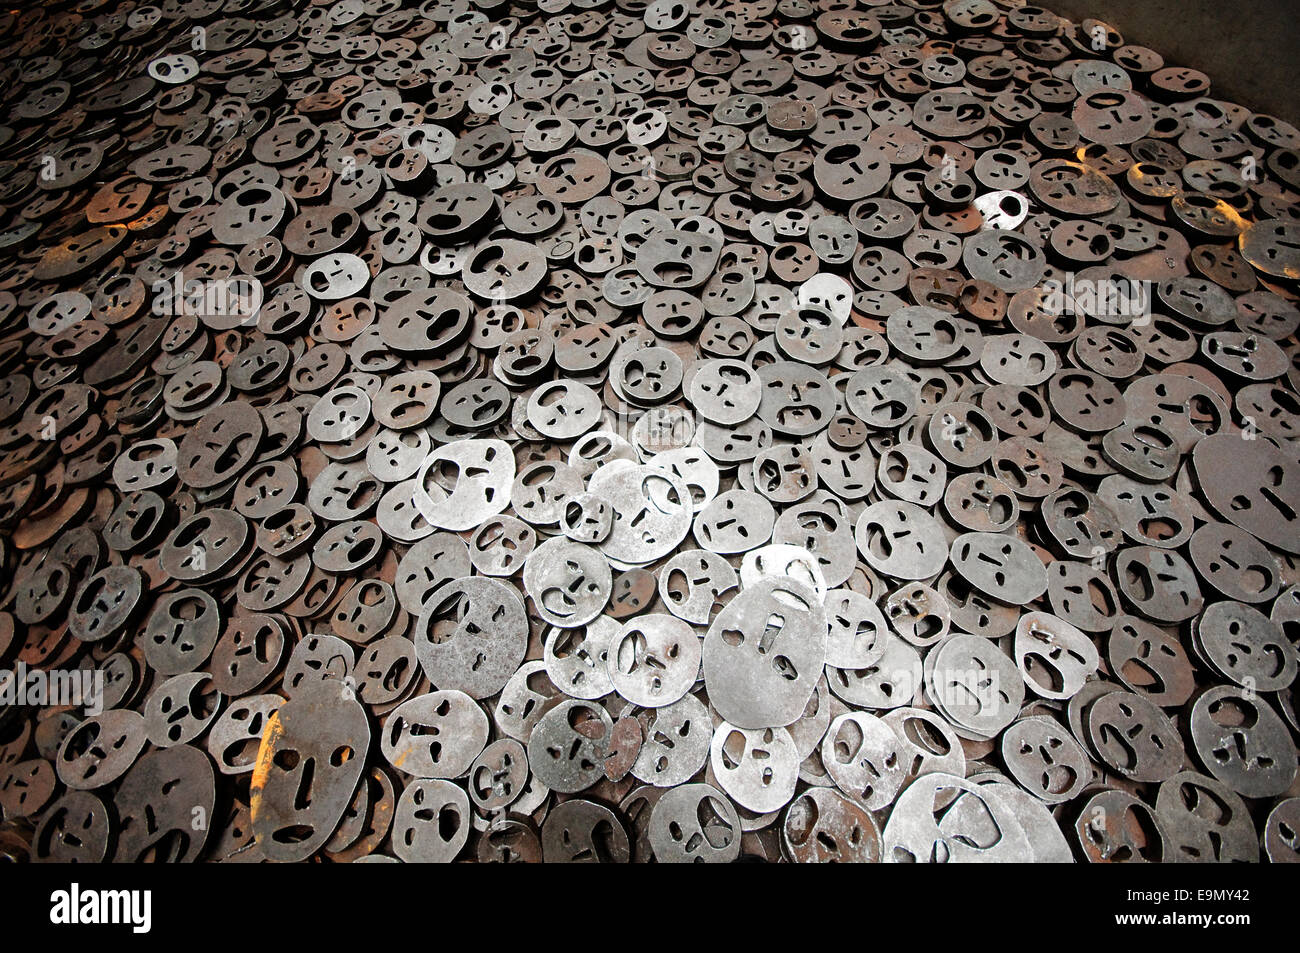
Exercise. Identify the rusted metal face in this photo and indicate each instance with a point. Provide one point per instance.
(681, 431)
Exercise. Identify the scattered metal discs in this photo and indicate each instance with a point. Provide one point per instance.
(582, 433)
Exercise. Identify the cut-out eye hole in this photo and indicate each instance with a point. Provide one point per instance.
(294, 834)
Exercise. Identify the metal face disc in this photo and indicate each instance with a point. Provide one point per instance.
(435, 735)
(864, 757)
(653, 660)
(1205, 820)
(1044, 759)
(472, 635)
(318, 732)
(764, 652)
(901, 540)
(913, 834)
(695, 822)
(568, 746)
(1240, 739)
(822, 826)
(464, 483)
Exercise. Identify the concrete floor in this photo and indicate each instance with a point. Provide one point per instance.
(1249, 48)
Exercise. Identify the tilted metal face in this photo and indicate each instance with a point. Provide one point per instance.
(317, 741)
(764, 653)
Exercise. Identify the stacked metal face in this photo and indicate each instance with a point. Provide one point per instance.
(588, 430)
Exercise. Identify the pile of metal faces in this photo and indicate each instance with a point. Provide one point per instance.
(617, 431)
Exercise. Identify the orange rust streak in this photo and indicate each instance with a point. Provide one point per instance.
(271, 736)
